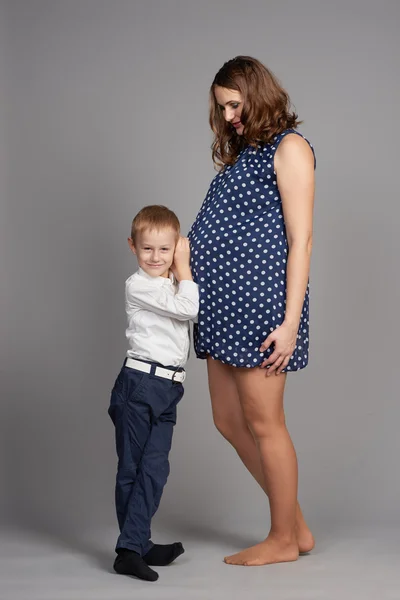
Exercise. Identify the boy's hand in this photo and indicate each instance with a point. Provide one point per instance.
(181, 265)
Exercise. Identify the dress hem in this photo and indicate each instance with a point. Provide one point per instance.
(205, 355)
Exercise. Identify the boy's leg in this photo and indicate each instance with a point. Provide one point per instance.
(153, 469)
(131, 416)
(132, 419)
(155, 460)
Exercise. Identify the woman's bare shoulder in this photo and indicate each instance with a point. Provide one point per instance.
(293, 147)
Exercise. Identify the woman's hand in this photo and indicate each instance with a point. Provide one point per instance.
(284, 340)
(181, 265)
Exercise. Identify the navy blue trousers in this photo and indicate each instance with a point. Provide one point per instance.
(143, 410)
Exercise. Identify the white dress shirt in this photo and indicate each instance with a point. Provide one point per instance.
(159, 311)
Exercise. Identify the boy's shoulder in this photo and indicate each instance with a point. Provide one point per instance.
(137, 281)
(132, 278)
(142, 281)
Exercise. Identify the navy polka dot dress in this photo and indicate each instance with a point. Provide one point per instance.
(239, 254)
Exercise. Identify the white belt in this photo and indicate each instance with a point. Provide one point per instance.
(132, 363)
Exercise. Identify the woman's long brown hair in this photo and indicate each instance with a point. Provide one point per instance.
(266, 108)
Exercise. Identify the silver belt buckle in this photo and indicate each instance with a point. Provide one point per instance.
(182, 373)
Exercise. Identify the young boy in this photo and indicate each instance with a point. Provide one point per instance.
(160, 298)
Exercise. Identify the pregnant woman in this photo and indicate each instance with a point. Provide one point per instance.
(251, 246)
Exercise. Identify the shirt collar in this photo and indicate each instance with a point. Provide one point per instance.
(158, 280)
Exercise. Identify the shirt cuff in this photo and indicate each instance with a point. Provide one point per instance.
(189, 288)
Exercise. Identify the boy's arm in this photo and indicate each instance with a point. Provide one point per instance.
(184, 305)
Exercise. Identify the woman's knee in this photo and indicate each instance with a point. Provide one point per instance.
(226, 409)
(226, 427)
(263, 423)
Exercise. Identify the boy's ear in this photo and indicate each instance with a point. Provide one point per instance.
(132, 245)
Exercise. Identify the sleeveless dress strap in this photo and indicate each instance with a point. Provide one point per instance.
(278, 138)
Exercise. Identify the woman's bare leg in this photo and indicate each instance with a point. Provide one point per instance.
(230, 420)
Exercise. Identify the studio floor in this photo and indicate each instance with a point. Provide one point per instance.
(346, 565)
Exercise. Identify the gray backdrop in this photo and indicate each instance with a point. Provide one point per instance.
(103, 109)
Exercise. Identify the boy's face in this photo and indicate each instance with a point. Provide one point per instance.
(154, 250)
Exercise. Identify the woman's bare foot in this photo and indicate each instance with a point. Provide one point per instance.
(268, 552)
(304, 536)
(305, 540)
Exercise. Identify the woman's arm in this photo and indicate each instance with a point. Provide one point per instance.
(294, 166)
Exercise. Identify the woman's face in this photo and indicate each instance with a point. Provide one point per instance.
(231, 104)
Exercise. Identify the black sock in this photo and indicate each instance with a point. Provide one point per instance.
(161, 555)
(129, 562)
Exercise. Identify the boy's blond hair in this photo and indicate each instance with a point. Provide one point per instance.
(156, 217)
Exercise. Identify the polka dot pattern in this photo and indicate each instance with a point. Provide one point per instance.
(239, 256)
